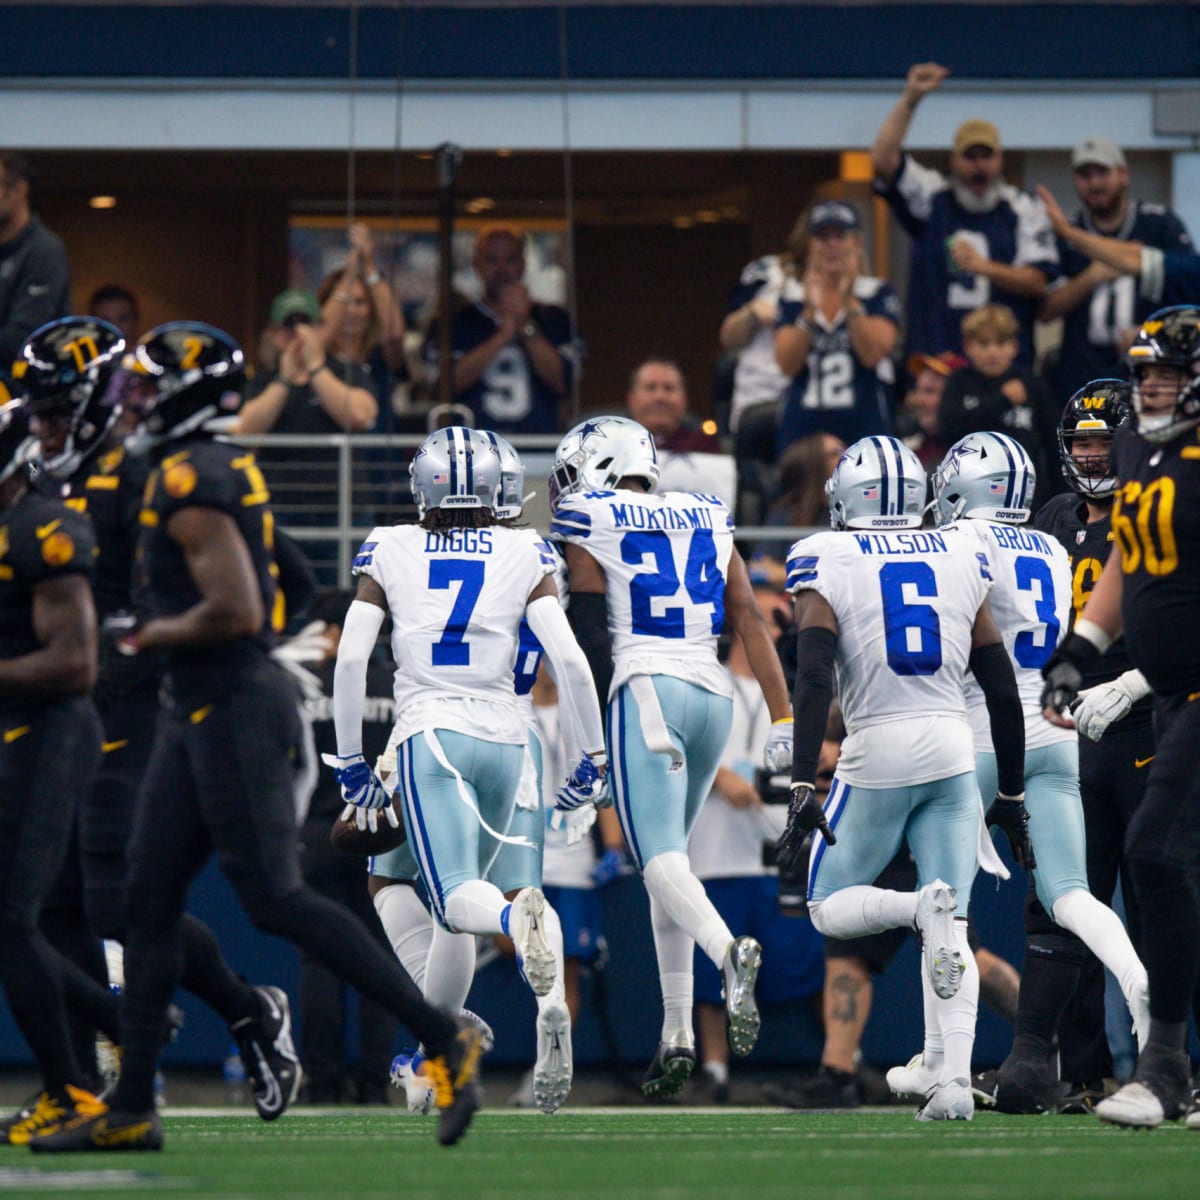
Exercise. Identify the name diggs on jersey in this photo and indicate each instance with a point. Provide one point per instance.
(459, 541)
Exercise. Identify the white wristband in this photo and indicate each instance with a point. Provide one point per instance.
(1090, 631)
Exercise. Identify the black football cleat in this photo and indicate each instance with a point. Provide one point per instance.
(455, 1079)
(109, 1129)
(1024, 1087)
(268, 1054)
(670, 1067)
(7, 1124)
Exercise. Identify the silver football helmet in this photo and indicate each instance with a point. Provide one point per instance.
(599, 453)
(986, 475)
(512, 478)
(456, 467)
(878, 483)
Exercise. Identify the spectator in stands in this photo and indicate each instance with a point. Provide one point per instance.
(118, 306)
(917, 422)
(690, 458)
(836, 330)
(976, 239)
(749, 329)
(1164, 276)
(726, 850)
(35, 280)
(805, 467)
(993, 392)
(1102, 310)
(514, 360)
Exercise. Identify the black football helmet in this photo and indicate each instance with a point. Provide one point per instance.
(66, 368)
(1170, 338)
(18, 446)
(1098, 409)
(189, 374)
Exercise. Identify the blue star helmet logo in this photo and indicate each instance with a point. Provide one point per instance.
(952, 462)
(590, 427)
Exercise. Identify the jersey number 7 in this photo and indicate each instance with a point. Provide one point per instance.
(451, 649)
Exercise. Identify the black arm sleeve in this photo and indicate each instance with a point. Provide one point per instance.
(297, 579)
(810, 700)
(994, 671)
(588, 616)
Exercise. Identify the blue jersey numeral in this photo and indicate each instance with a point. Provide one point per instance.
(1033, 647)
(913, 631)
(702, 579)
(451, 650)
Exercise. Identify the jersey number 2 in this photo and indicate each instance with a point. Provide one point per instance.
(451, 650)
(701, 577)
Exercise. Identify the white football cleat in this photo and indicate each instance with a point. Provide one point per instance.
(526, 926)
(555, 1065)
(739, 973)
(913, 1079)
(949, 1101)
(418, 1091)
(1134, 1105)
(936, 905)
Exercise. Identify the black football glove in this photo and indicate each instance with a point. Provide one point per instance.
(804, 815)
(1012, 817)
(1064, 671)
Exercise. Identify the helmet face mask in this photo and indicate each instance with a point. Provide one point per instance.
(65, 368)
(878, 483)
(1165, 360)
(987, 476)
(457, 468)
(191, 373)
(598, 453)
(1096, 411)
(18, 447)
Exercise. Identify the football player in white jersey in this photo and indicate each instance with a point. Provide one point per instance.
(659, 574)
(902, 613)
(985, 483)
(457, 587)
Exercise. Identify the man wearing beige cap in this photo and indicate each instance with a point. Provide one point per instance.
(976, 239)
(1100, 309)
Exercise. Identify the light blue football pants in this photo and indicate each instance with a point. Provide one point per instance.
(446, 798)
(939, 820)
(657, 805)
(518, 867)
(1055, 816)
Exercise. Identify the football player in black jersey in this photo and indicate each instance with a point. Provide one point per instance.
(70, 371)
(220, 773)
(49, 750)
(1112, 771)
(1150, 590)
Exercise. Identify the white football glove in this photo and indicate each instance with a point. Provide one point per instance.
(777, 757)
(362, 791)
(1105, 703)
(578, 822)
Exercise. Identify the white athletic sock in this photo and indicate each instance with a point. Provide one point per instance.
(956, 1016)
(856, 911)
(476, 907)
(673, 949)
(931, 1054)
(669, 880)
(552, 927)
(450, 970)
(408, 926)
(1100, 929)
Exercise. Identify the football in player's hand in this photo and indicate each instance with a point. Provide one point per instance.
(347, 837)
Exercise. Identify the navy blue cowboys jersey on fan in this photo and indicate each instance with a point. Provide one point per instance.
(835, 393)
(39, 539)
(1156, 525)
(213, 475)
(1088, 545)
(1090, 331)
(509, 396)
(1016, 231)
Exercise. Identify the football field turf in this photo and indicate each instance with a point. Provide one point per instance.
(680, 1154)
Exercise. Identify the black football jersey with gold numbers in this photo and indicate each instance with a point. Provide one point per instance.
(1156, 525)
(207, 474)
(40, 539)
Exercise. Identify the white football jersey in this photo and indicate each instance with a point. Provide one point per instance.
(1031, 602)
(665, 558)
(529, 649)
(905, 603)
(456, 599)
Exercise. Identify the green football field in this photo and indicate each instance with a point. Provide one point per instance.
(679, 1154)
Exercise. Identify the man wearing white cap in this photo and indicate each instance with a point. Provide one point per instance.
(1101, 310)
(976, 239)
